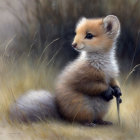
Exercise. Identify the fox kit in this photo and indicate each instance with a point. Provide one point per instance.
(86, 85)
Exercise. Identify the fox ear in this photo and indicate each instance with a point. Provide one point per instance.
(81, 21)
(112, 26)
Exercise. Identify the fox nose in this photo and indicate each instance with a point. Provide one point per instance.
(74, 45)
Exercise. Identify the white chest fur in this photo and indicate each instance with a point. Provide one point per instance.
(105, 62)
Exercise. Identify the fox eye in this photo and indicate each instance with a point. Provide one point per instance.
(89, 36)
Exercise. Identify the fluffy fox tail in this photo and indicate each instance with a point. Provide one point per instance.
(34, 105)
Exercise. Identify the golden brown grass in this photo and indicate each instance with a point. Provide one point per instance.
(16, 78)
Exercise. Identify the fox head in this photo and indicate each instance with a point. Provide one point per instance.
(94, 35)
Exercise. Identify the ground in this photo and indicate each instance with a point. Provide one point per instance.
(15, 79)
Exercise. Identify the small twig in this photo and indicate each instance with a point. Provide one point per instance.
(118, 110)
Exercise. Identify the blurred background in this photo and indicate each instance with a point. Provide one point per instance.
(42, 30)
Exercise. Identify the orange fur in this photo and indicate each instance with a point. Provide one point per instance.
(94, 26)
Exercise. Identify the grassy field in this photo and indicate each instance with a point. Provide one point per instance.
(16, 78)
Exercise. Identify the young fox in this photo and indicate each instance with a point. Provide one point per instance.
(86, 85)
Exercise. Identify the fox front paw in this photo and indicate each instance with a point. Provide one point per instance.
(117, 92)
(108, 94)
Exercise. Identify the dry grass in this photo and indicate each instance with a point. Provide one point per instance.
(16, 78)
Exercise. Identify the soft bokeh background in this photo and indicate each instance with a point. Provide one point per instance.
(35, 45)
(30, 26)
